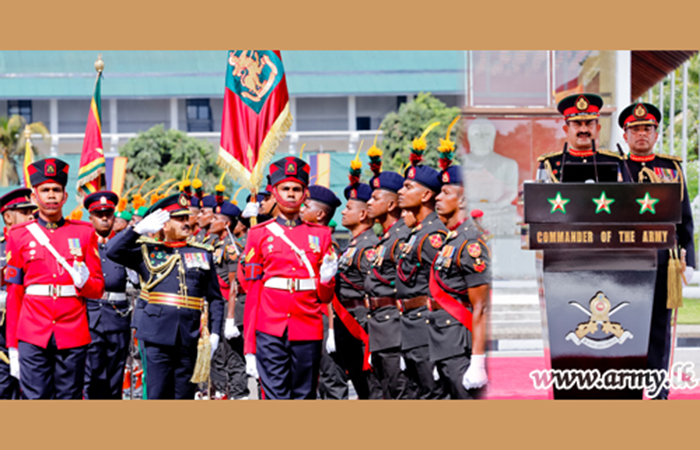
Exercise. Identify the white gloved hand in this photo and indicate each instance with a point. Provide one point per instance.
(328, 268)
(251, 365)
(252, 209)
(330, 342)
(402, 364)
(230, 330)
(214, 341)
(689, 271)
(436, 374)
(475, 376)
(81, 274)
(153, 222)
(369, 360)
(133, 277)
(14, 362)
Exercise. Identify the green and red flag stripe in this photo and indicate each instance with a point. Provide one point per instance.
(91, 175)
(256, 114)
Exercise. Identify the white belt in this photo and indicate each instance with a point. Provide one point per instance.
(114, 296)
(50, 290)
(291, 284)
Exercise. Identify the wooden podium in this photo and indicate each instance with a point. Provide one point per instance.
(597, 272)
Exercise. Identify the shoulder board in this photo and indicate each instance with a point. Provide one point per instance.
(206, 247)
(22, 225)
(260, 225)
(671, 157)
(148, 240)
(317, 225)
(609, 153)
(548, 155)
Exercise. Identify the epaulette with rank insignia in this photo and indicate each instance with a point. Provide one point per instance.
(548, 155)
(671, 157)
(609, 153)
(147, 240)
(206, 247)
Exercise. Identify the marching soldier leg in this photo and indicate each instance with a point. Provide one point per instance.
(238, 379)
(659, 350)
(96, 379)
(395, 384)
(274, 362)
(69, 372)
(186, 359)
(333, 381)
(161, 372)
(35, 372)
(117, 352)
(305, 358)
(350, 353)
(420, 370)
(219, 367)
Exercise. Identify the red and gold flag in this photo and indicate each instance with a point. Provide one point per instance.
(256, 114)
(91, 175)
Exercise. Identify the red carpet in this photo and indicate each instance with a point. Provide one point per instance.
(509, 379)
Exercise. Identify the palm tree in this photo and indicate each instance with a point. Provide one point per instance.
(12, 145)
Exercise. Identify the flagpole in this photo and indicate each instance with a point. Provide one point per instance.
(27, 155)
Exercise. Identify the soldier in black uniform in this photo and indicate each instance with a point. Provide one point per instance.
(350, 320)
(179, 278)
(108, 317)
(319, 208)
(384, 318)
(640, 122)
(16, 208)
(459, 285)
(413, 272)
(204, 219)
(228, 364)
(581, 112)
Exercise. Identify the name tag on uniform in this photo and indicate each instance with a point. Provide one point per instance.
(196, 261)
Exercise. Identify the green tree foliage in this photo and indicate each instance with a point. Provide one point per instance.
(400, 128)
(12, 146)
(168, 154)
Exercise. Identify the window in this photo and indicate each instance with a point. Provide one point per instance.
(364, 123)
(400, 100)
(20, 107)
(199, 115)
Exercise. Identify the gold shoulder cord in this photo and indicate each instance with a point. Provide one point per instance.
(680, 177)
(548, 168)
(649, 174)
(159, 272)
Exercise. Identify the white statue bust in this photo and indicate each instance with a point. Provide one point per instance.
(491, 180)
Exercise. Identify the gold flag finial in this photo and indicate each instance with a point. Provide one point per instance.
(99, 64)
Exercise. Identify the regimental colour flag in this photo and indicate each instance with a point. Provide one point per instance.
(91, 175)
(256, 114)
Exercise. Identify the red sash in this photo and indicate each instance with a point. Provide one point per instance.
(354, 328)
(450, 304)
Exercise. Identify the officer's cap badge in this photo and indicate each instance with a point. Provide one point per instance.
(640, 111)
(582, 103)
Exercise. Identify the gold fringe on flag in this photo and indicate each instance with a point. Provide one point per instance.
(675, 286)
(253, 180)
(203, 364)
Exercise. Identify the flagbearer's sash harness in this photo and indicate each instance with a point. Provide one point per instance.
(50, 290)
(291, 284)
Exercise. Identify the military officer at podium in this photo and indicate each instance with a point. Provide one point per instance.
(640, 123)
(581, 113)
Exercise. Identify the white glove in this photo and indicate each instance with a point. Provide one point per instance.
(402, 364)
(133, 277)
(251, 365)
(330, 342)
(153, 222)
(214, 341)
(14, 362)
(689, 271)
(369, 360)
(82, 273)
(436, 374)
(475, 376)
(328, 268)
(252, 209)
(230, 330)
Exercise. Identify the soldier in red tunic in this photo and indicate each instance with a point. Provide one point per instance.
(289, 272)
(53, 265)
